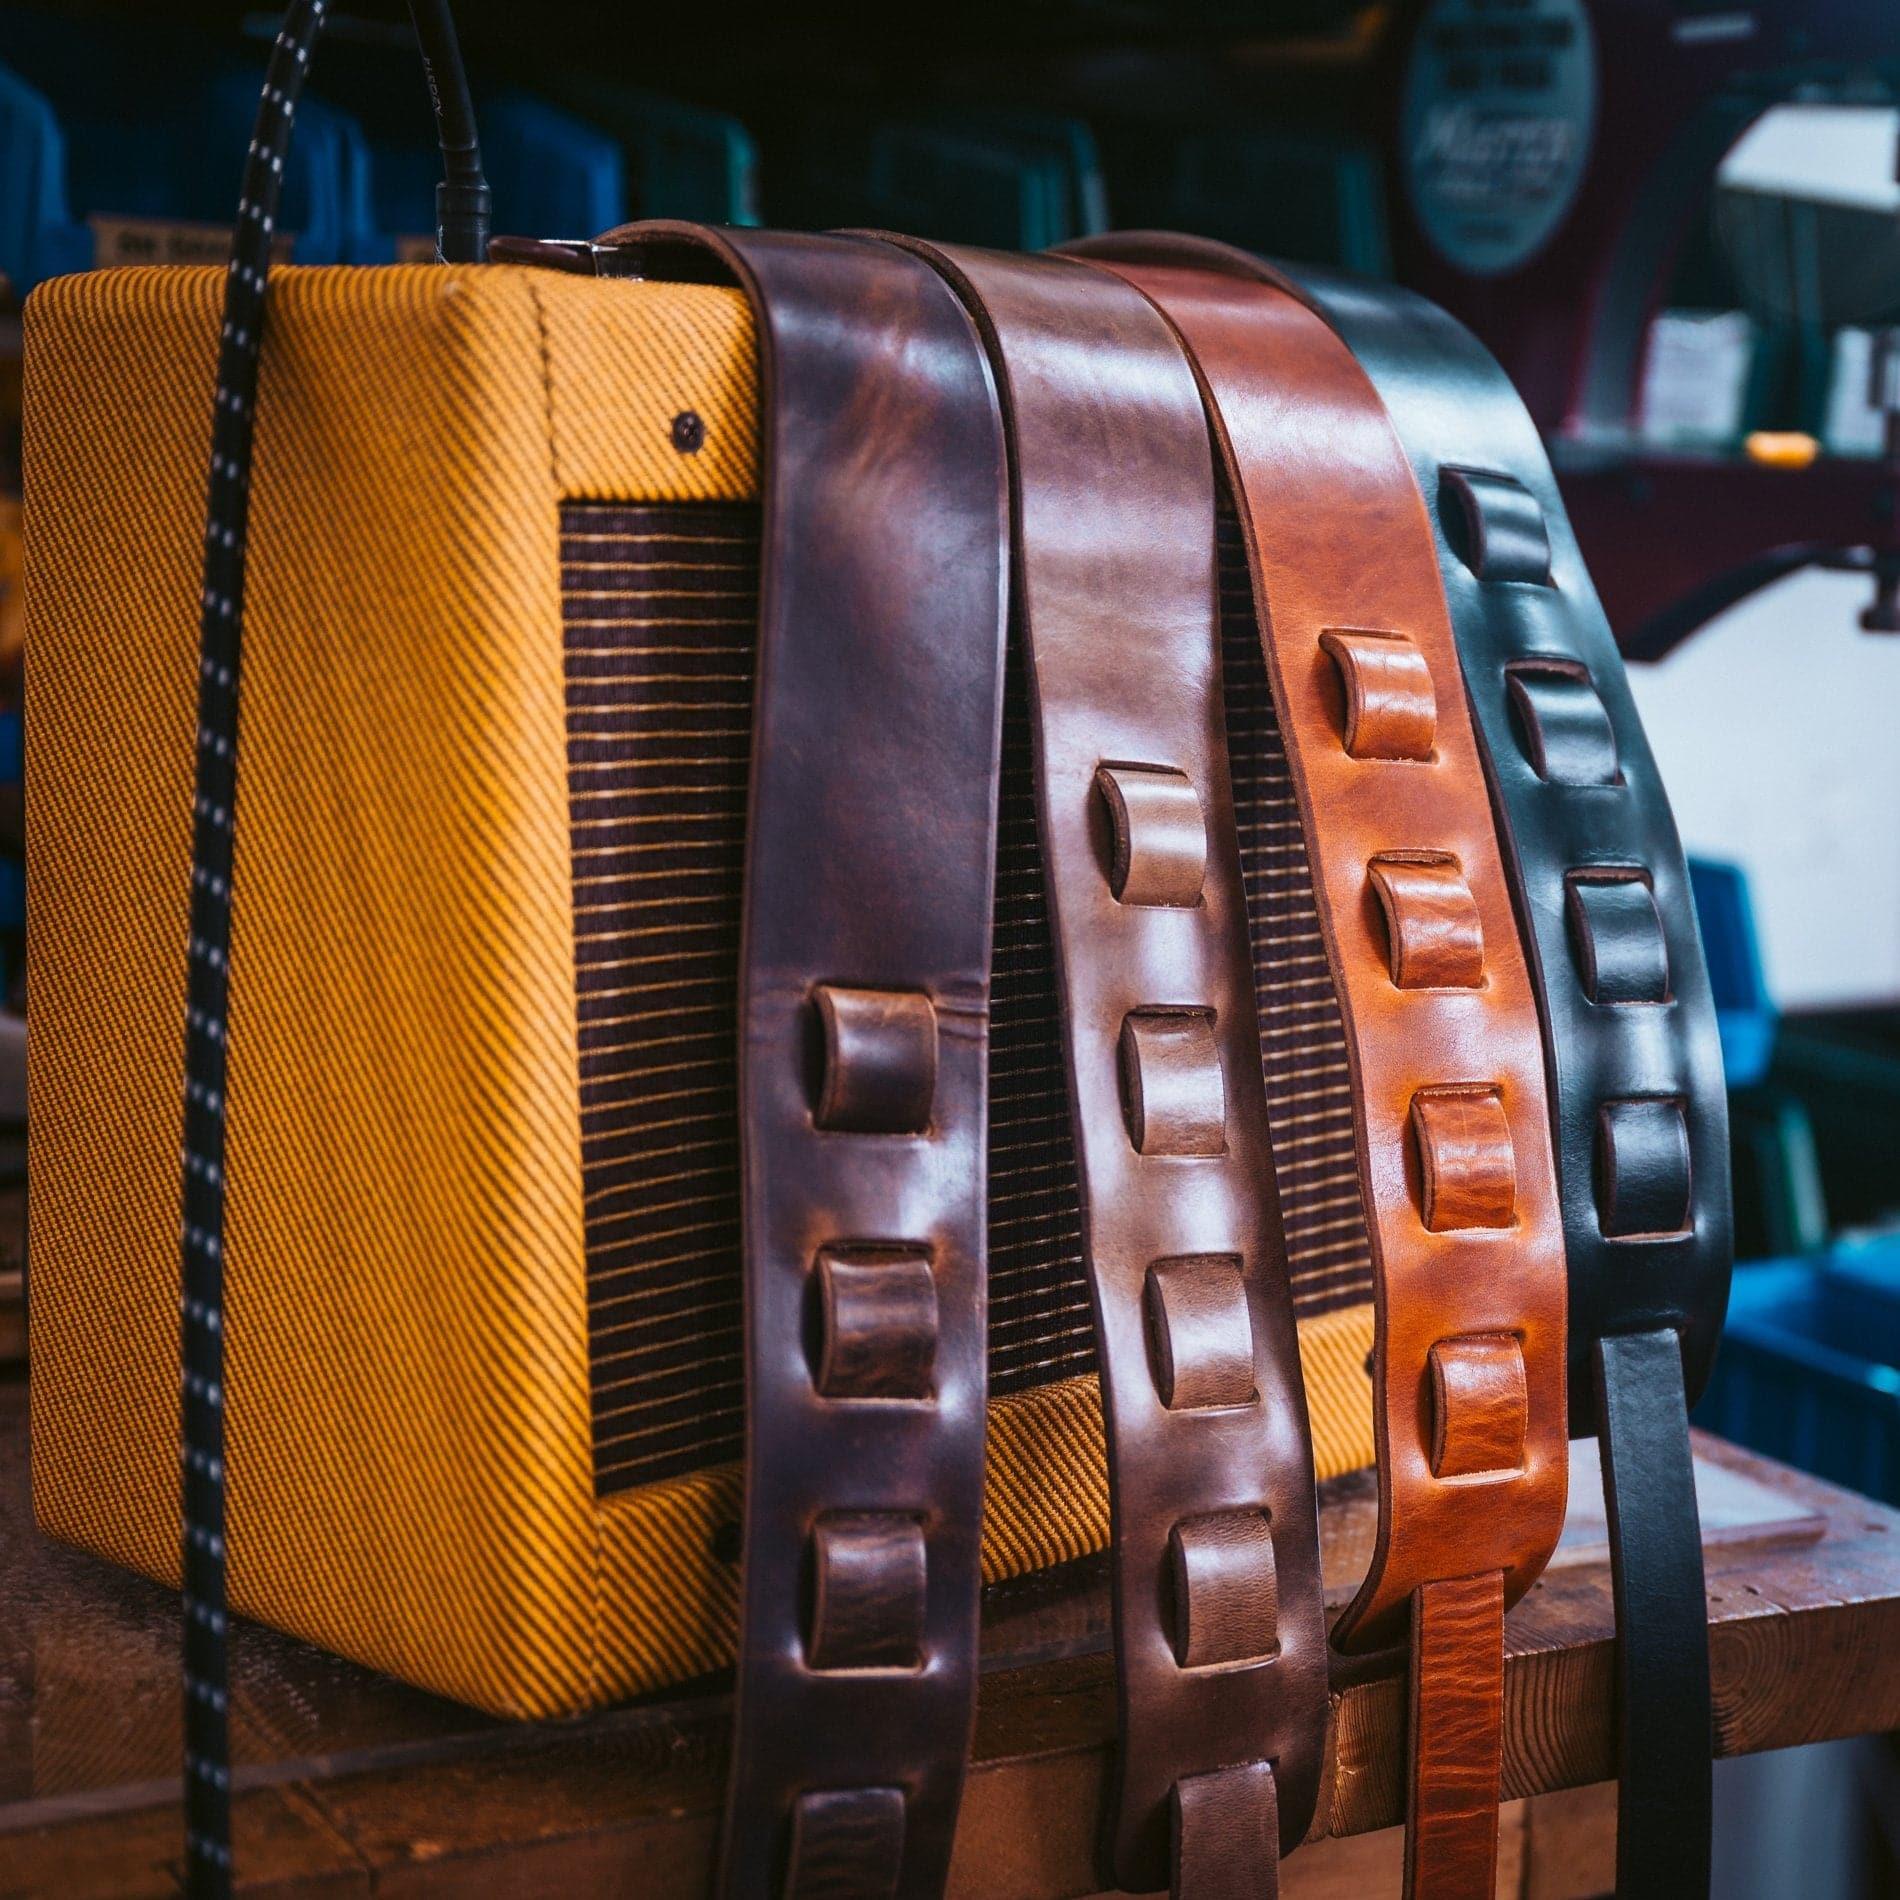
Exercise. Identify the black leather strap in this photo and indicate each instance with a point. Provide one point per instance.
(1630, 1031)
(864, 1055)
(1631, 1036)
(1664, 1743)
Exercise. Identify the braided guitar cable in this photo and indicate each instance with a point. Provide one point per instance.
(462, 206)
(207, 1013)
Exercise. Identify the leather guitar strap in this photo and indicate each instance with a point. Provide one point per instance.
(863, 1059)
(1630, 1031)
(1630, 1038)
(1219, 1624)
(1441, 1026)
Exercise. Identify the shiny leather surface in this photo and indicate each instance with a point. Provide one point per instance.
(1455, 412)
(1622, 954)
(1578, 797)
(1451, 1814)
(1449, 1086)
(1226, 1598)
(1174, 1090)
(1200, 1333)
(878, 1321)
(879, 1074)
(868, 1579)
(1434, 935)
(1449, 1082)
(870, 849)
(1498, 526)
(1115, 524)
(1631, 1040)
(1664, 1731)
(1160, 836)
(1467, 1160)
(1643, 1174)
(1480, 1406)
(1563, 726)
(1391, 706)
(847, 1844)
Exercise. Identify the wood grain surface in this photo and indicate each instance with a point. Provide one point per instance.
(350, 1783)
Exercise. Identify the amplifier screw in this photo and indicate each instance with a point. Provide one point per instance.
(689, 433)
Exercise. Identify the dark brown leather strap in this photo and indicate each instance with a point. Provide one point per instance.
(1441, 1024)
(865, 989)
(1219, 1625)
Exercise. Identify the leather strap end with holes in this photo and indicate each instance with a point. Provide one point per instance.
(1631, 1041)
(864, 999)
(1219, 1627)
(1441, 1021)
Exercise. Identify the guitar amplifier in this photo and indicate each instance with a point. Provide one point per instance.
(483, 1253)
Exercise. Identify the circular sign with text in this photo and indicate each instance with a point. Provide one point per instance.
(1495, 126)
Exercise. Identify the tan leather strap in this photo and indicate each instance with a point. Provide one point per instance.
(1442, 1027)
(1219, 1625)
(1451, 1795)
(864, 1023)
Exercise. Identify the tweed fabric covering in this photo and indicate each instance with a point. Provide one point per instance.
(411, 1430)
(411, 1479)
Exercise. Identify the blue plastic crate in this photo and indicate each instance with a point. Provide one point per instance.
(1807, 1370)
(110, 127)
(1744, 1012)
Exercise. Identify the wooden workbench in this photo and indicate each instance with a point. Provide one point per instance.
(351, 1782)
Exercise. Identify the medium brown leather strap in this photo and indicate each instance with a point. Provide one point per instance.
(865, 989)
(1441, 1022)
(1219, 1624)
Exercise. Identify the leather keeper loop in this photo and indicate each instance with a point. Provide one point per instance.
(1173, 1093)
(868, 1585)
(877, 1327)
(1434, 935)
(846, 1842)
(1643, 1181)
(1226, 1827)
(1501, 530)
(1200, 1334)
(1480, 1407)
(1566, 731)
(1622, 954)
(1391, 709)
(1158, 835)
(880, 1060)
(1226, 1597)
(1467, 1167)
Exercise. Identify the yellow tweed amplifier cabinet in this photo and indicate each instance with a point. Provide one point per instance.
(483, 1257)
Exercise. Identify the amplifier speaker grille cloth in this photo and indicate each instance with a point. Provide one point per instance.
(1302, 1035)
(660, 605)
